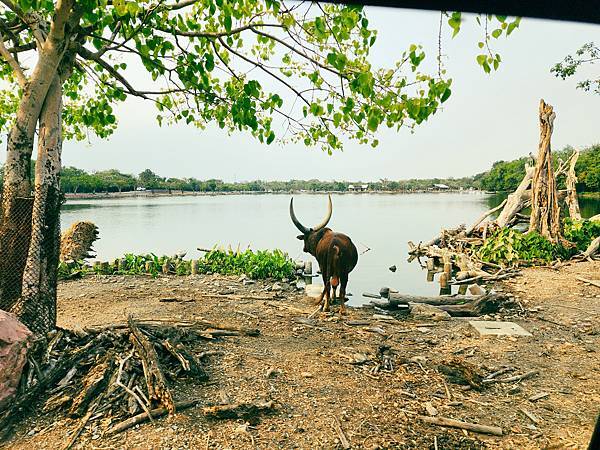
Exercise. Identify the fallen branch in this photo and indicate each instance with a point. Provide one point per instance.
(83, 422)
(169, 323)
(524, 376)
(592, 282)
(498, 373)
(470, 230)
(343, 439)
(94, 383)
(156, 413)
(155, 380)
(592, 248)
(531, 417)
(476, 428)
(129, 391)
(237, 410)
(457, 305)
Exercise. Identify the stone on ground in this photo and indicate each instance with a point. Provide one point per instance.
(15, 340)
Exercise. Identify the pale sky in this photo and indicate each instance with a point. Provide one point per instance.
(487, 118)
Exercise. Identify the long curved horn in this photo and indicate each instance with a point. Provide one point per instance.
(300, 227)
(327, 217)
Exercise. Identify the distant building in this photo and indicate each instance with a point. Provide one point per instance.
(358, 187)
(440, 187)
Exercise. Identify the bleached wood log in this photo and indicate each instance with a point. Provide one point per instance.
(474, 427)
(485, 215)
(592, 248)
(515, 201)
(571, 182)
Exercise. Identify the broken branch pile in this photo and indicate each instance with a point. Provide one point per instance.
(464, 247)
(119, 373)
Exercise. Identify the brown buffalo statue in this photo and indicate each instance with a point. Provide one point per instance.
(335, 253)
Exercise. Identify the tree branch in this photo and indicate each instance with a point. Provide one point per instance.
(61, 17)
(13, 63)
(14, 8)
(23, 47)
(86, 54)
(30, 20)
(218, 34)
(182, 4)
(295, 50)
(264, 69)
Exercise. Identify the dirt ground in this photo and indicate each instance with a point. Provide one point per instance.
(320, 372)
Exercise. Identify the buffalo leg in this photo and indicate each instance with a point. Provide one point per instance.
(326, 289)
(343, 283)
(327, 299)
(334, 291)
(321, 297)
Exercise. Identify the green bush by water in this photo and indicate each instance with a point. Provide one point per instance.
(508, 246)
(261, 264)
(581, 232)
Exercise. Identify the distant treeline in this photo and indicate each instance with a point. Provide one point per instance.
(78, 181)
(503, 176)
(506, 175)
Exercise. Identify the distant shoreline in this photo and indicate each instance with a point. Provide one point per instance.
(177, 193)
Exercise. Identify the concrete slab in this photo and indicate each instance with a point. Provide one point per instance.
(494, 328)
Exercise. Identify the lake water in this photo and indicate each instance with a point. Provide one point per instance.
(382, 222)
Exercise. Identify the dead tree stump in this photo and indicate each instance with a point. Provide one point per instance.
(545, 212)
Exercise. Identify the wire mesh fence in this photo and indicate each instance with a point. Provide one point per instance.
(29, 243)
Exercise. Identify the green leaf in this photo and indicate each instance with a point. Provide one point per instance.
(446, 95)
(209, 62)
(455, 21)
(227, 23)
(270, 137)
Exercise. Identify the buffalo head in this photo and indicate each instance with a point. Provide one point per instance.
(311, 236)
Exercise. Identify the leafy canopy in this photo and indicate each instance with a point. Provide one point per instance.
(207, 56)
(238, 63)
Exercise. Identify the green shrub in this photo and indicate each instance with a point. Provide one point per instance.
(261, 264)
(508, 246)
(581, 232)
(258, 265)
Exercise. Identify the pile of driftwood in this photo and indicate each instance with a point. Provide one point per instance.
(454, 305)
(119, 374)
(452, 251)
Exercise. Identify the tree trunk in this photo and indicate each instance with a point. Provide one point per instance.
(15, 214)
(37, 307)
(545, 212)
(571, 183)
